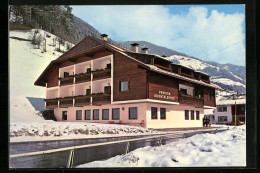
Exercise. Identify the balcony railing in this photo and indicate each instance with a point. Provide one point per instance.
(66, 102)
(66, 80)
(82, 100)
(51, 103)
(82, 77)
(191, 100)
(101, 73)
(99, 98)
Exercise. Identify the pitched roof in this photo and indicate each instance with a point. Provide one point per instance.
(92, 44)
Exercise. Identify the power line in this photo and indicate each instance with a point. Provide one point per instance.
(224, 48)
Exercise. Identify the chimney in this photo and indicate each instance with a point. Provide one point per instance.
(134, 47)
(144, 50)
(104, 37)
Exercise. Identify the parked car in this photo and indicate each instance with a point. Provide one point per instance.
(233, 123)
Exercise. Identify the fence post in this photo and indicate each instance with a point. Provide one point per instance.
(127, 147)
(160, 141)
(70, 160)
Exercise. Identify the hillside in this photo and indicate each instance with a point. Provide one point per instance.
(27, 62)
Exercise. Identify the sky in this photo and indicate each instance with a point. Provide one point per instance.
(208, 32)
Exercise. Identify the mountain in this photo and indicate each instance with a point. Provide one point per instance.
(229, 77)
(153, 49)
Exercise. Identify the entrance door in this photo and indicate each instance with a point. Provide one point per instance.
(64, 115)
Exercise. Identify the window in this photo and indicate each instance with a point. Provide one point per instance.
(66, 74)
(209, 96)
(184, 91)
(124, 86)
(107, 89)
(88, 70)
(186, 114)
(197, 115)
(87, 114)
(222, 109)
(222, 118)
(162, 113)
(64, 115)
(105, 114)
(96, 114)
(87, 92)
(116, 114)
(154, 113)
(79, 115)
(192, 115)
(108, 66)
(133, 113)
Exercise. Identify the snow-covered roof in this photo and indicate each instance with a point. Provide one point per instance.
(230, 99)
(231, 102)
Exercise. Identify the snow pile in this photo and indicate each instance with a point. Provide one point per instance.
(226, 148)
(26, 64)
(52, 130)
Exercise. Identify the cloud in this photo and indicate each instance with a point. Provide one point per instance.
(213, 36)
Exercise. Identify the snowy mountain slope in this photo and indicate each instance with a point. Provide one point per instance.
(26, 63)
(220, 74)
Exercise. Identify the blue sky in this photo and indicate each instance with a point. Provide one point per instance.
(209, 32)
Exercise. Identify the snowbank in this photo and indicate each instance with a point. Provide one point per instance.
(52, 130)
(226, 148)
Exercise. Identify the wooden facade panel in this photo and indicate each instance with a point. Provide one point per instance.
(162, 87)
(126, 69)
(52, 80)
(101, 54)
(209, 101)
(191, 101)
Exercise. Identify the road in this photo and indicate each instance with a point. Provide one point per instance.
(82, 155)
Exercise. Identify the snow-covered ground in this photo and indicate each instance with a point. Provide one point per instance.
(226, 148)
(26, 64)
(51, 130)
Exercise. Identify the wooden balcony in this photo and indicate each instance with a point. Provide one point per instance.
(101, 74)
(83, 77)
(66, 102)
(51, 103)
(66, 80)
(99, 99)
(82, 100)
(191, 100)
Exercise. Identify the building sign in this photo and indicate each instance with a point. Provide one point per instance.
(164, 95)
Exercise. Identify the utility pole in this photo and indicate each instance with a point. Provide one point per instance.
(235, 113)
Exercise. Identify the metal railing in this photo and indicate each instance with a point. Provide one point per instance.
(123, 147)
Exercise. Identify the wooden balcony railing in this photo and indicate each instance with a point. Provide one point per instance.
(66, 102)
(82, 100)
(191, 100)
(66, 80)
(83, 77)
(101, 74)
(101, 98)
(51, 103)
